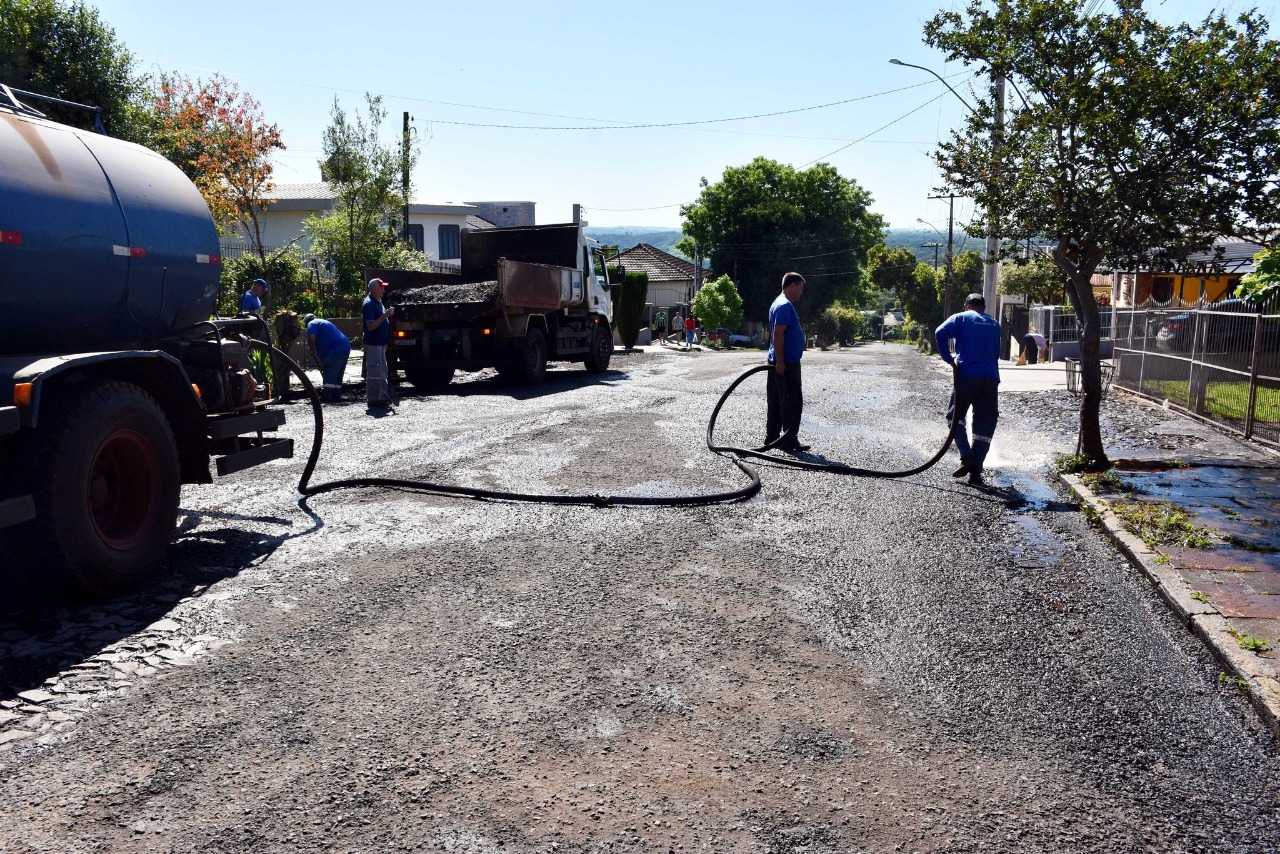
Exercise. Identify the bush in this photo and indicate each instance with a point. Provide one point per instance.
(628, 307)
(284, 272)
(839, 324)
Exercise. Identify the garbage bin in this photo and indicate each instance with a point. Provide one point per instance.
(1031, 347)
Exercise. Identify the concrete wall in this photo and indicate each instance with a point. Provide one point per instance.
(506, 214)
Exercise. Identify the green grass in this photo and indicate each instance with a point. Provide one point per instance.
(1226, 399)
(1249, 642)
(1160, 523)
(1107, 483)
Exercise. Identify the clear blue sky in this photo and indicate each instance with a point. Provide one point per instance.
(574, 64)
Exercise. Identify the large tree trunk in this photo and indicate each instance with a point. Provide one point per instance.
(1088, 317)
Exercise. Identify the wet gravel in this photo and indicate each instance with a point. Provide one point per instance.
(837, 665)
(464, 292)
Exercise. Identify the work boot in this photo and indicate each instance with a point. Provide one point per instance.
(975, 477)
(962, 471)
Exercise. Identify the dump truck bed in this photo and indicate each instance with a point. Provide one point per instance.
(519, 288)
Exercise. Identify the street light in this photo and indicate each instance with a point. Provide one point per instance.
(935, 74)
(990, 264)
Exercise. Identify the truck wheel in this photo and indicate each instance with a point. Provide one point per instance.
(429, 378)
(103, 471)
(601, 350)
(532, 358)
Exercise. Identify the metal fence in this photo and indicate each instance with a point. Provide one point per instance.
(1221, 366)
(1062, 333)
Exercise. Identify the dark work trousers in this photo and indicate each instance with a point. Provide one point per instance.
(785, 403)
(980, 394)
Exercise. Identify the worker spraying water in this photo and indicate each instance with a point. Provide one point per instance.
(975, 336)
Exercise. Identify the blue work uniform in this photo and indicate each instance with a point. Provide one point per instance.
(783, 395)
(976, 339)
(332, 349)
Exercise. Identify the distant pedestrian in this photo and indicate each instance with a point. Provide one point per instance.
(659, 326)
(786, 348)
(251, 300)
(976, 336)
(1033, 347)
(677, 323)
(690, 324)
(330, 349)
(376, 337)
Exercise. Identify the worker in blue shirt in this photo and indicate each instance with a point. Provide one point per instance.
(377, 335)
(330, 349)
(976, 339)
(251, 301)
(783, 395)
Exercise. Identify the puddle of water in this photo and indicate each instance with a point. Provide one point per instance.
(1037, 546)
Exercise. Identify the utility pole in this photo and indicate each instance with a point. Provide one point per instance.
(404, 179)
(951, 216)
(991, 270)
(935, 246)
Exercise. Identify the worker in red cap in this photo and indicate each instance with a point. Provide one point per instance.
(377, 335)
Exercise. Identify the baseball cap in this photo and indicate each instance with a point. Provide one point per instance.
(262, 283)
(307, 319)
(373, 283)
(978, 299)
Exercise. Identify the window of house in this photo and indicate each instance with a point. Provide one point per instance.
(450, 241)
(1162, 288)
(417, 236)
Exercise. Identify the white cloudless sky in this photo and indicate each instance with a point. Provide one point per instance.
(486, 82)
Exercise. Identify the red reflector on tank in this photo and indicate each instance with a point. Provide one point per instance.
(10, 237)
(137, 252)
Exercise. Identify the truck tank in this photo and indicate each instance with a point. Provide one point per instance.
(104, 245)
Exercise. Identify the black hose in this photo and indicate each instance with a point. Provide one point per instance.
(305, 487)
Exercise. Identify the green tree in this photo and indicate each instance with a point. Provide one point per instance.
(628, 308)
(966, 278)
(1036, 278)
(66, 51)
(363, 228)
(718, 304)
(922, 301)
(1125, 140)
(767, 218)
(890, 269)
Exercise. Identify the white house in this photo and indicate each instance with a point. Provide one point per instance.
(435, 227)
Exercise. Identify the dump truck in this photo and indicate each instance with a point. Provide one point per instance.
(522, 297)
(117, 383)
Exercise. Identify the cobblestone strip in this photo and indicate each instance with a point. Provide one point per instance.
(1257, 676)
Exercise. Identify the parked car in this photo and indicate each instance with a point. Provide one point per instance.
(733, 339)
(1221, 334)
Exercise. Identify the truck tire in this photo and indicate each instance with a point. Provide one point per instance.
(597, 361)
(427, 378)
(531, 359)
(103, 471)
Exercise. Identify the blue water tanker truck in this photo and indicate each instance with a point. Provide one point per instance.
(117, 383)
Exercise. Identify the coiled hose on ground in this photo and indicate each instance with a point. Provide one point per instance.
(735, 454)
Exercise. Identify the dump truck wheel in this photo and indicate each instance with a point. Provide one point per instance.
(601, 351)
(429, 378)
(532, 358)
(103, 471)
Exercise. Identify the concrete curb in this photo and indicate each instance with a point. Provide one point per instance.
(1258, 676)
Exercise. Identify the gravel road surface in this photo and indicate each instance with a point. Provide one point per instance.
(839, 664)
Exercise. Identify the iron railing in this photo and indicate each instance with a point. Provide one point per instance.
(1220, 366)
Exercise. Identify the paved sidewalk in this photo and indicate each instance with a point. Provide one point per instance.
(1222, 494)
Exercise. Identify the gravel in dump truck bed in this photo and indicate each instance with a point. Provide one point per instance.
(446, 293)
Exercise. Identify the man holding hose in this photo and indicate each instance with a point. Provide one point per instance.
(976, 336)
